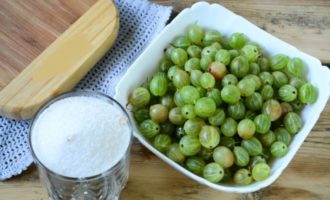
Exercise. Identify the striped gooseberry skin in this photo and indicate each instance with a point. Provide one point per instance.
(195, 164)
(149, 128)
(230, 94)
(242, 157)
(246, 87)
(223, 156)
(213, 172)
(267, 139)
(297, 82)
(278, 61)
(262, 123)
(179, 56)
(253, 146)
(189, 145)
(140, 97)
(287, 93)
(246, 128)
(181, 42)
(266, 78)
(158, 84)
(240, 66)
(174, 153)
(273, 109)
(267, 92)
(292, 122)
(205, 107)
(280, 79)
(162, 142)
(243, 177)
(278, 149)
(209, 137)
(296, 67)
(237, 110)
(229, 127)
(307, 93)
(283, 135)
(254, 102)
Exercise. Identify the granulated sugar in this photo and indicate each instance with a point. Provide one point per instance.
(80, 136)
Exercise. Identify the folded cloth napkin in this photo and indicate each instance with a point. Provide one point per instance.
(140, 21)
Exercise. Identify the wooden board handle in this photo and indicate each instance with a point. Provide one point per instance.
(66, 61)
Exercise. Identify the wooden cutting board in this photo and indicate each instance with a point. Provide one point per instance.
(28, 27)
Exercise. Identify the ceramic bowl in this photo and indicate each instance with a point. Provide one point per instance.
(217, 17)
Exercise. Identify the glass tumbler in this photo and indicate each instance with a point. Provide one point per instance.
(104, 186)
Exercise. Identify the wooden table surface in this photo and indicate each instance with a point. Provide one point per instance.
(303, 23)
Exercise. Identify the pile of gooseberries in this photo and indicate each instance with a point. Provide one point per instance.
(220, 107)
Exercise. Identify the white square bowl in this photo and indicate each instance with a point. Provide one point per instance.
(217, 17)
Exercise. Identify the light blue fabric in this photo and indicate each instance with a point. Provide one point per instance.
(140, 21)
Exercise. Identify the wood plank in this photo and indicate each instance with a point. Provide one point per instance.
(23, 35)
(304, 24)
